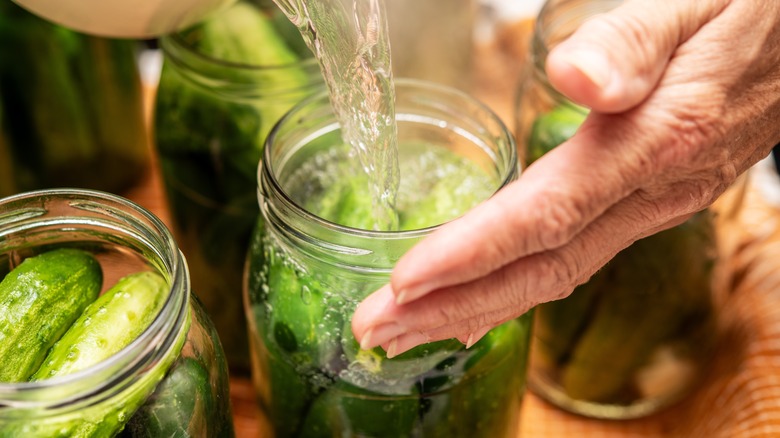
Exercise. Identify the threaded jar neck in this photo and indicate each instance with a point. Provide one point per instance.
(438, 112)
(238, 81)
(55, 217)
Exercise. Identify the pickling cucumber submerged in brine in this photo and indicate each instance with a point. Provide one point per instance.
(641, 329)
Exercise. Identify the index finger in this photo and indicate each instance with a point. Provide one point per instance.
(551, 202)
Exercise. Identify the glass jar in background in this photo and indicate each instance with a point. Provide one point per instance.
(639, 335)
(73, 107)
(171, 381)
(313, 259)
(224, 84)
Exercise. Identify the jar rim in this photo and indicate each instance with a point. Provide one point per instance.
(177, 41)
(154, 342)
(267, 175)
(236, 80)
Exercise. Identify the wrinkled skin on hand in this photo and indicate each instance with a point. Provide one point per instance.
(684, 97)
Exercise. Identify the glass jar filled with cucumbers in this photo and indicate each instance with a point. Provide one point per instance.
(315, 255)
(639, 335)
(99, 334)
(225, 82)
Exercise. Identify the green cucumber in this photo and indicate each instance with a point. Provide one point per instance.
(658, 286)
(108, 325)
(39, 300)
(553, 128)
(182, 400)
(347, 410)
(300, 324)
(486, 400)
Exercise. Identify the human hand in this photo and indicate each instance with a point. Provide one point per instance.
(684, 97)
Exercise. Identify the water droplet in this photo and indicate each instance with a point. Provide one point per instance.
(306, 295)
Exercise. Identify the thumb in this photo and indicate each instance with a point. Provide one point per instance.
(613, 61)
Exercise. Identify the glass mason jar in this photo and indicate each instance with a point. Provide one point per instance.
(640, 333)
(212, 116)
(73, 107)
(306, 274)
(171, 381)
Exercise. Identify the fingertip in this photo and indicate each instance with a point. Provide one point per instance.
(591, 67)
(587, 76)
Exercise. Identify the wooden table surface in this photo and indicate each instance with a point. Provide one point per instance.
(741, 393)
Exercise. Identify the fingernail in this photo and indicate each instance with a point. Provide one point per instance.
(368, 339)
(391, 349)
(401, 297)
(593, 63)
(380, 334)
(475, 336)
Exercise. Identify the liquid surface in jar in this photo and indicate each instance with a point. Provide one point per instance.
(438, 186)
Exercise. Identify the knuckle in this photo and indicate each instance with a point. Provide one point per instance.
(627, 29)
(459, 310)
(704, 188)
(694, 126)
(560, 218)
(509, 290)
(563, 268)
(449, 315)
(649, 210)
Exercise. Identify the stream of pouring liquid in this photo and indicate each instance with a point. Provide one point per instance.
(349, 38)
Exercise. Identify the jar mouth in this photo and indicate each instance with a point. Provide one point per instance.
(441, 115)
(238, 80)
(119, 215)
(268, 174)
(179, 41)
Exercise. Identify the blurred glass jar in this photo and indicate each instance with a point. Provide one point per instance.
(308, 269)
(73, 107)
(224, 84)
(640, 333)
(171, 381)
